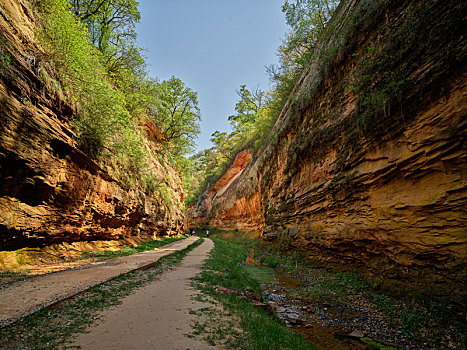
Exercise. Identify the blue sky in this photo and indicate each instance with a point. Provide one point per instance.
(214, 46)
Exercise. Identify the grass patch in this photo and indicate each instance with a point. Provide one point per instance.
(420, 318)
(9, 276)
(262, 274)
(54, 327)
(11, 273)
(125, 251)
(271, 261)
(217, 328)
(226, 268)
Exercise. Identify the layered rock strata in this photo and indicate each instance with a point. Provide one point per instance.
(50, 190)
(369, 167)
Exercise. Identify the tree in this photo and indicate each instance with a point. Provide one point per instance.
(220, 141)
(248, 109)
(175, 111)
(111, 26)
(307, 19)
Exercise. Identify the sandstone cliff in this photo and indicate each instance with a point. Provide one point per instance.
(369, 167)
(50, 191)
(235, 211)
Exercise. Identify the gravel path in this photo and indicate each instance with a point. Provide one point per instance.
(156, 316)
(22, 298)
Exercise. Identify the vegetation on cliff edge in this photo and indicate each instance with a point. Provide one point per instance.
(257, 110)
(92, 58)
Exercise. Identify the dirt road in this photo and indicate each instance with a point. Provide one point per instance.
(24, 297)
(156, 316)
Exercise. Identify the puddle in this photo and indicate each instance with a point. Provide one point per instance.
(330, 338)
(326, 327)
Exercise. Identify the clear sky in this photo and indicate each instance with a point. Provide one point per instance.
(214, 46)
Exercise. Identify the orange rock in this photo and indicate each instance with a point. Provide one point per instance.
(50, 190)
(382, 191)
(250, 260)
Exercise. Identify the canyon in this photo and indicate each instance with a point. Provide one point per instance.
(339, 205)
(365, 169)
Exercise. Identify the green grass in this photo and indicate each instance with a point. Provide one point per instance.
(377, 345)
(9, 276)
(261, 330)
(261, 274)
(421, 318)
(54, 327)
(271, 261)
(125, 251)
(11, 273)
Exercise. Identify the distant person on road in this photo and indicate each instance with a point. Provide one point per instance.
(191, 231)
(207, 233)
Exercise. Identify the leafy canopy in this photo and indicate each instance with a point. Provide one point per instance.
(248, 109)
(91, 44)
(175, 111)
(111, 25)
(251, 126)
(307, 20)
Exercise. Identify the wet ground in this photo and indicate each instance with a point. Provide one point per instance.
(328, 327)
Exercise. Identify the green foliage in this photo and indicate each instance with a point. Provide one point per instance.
(377, 345)
(56, 326)
(251, 126)
(256, 110)
(150, 182)
(248, 109)
(5, 61)
(307, 19)
(92, 49)
(408, 313)
(111, 27)
(165, 193)
(272, 261)
(104, 123)
(175, 111)
(5, 58)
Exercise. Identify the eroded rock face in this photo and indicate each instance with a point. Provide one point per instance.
(369, 169)
(50, 191)
(219, 196)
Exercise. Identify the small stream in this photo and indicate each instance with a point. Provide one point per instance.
(325, 326)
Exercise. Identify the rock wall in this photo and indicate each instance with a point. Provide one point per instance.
(220, 205)
(50, 191)
(369, 168)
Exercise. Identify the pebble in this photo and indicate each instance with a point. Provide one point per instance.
(356, 334)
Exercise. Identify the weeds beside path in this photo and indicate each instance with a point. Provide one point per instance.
(155, 316)
(33, 262)
(42, 291)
